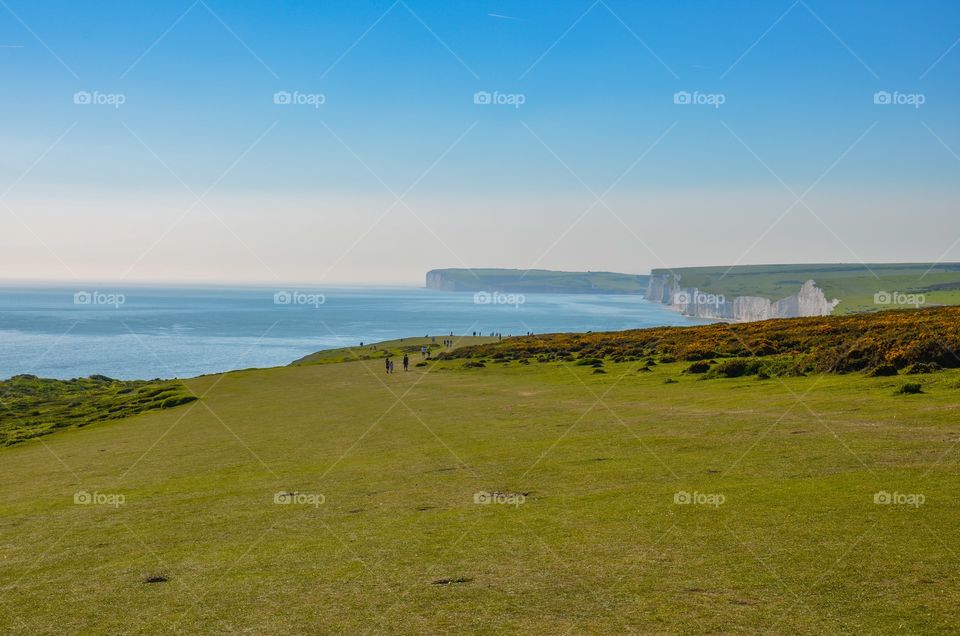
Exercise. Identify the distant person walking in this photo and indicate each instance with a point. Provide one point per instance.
(406, 362)
(386, 363)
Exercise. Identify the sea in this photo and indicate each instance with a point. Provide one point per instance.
(167, 332)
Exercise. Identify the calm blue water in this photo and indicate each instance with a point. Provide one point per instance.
(167, 332)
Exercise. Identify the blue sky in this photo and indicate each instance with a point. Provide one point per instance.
(597, 81)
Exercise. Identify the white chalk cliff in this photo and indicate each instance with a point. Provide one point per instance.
(690, 301)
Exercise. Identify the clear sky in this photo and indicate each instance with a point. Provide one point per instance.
(182, 166)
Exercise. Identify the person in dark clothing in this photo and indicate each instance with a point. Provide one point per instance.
(406, 362)
(386, 363)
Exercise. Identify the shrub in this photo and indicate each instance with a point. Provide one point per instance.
(736, 367)
(884, 370)
(473, 364)
(589, 362)
(700, 366)
(910, 388)
(669, 381)
(922, 367)
(698, 353)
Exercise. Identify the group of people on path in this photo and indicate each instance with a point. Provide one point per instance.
(388, 363)
(425, 350)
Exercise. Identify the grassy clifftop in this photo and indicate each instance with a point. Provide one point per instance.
(854, 284)
(515, 499)
(536, 280)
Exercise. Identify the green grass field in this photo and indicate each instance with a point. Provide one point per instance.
(381, 532)
(854, 284)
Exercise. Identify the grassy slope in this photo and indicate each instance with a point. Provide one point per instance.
(854, 285)
(598, 547)
(518, 280)
(32, 406)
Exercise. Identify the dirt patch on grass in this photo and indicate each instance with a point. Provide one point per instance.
(458, 580)
(155, 578)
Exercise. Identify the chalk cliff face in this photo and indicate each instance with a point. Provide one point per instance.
(436, 280)
(690, 301)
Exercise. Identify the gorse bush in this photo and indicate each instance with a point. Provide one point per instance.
(886, 340)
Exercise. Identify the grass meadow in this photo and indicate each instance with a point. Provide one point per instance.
(514, 498)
